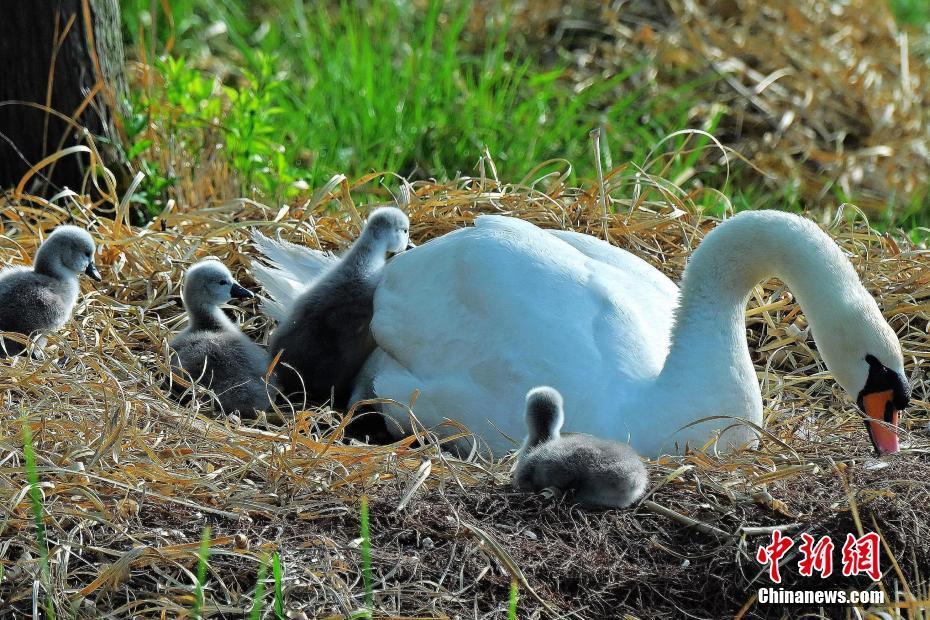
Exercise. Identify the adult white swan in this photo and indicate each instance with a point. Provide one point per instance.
(475, 318)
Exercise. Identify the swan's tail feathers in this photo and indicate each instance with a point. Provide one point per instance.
(290, 269)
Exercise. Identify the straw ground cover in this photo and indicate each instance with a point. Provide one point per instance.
(828, 100)
(129, 480)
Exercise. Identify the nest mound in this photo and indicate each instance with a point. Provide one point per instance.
(129, 479)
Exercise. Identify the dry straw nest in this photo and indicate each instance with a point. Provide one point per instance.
(129, 479)
(827, 97)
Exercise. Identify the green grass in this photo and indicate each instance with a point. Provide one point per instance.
(203, 557)
(35, 498)
(278, 589)
(366, 557)
(514, 595)
(381, 86)
(368, 610)
(256, 612)
(295, 92)
(257, 602)
(913, 12)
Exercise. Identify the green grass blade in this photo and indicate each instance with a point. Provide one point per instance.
(35, 498)
(202, 559)
(278, 589)
(256, 613)
(514, 594)
(366, 556)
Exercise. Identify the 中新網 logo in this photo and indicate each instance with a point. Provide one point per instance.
(860, 555)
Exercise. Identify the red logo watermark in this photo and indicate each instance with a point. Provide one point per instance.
(817, 557)
(859, 555)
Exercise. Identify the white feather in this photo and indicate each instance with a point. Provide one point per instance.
(477, 317)
(291, 269)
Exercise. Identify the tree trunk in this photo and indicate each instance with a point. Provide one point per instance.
(66, 55)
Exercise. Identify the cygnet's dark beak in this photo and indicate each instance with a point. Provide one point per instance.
(410, 246)
(92, 273)
(241, 293)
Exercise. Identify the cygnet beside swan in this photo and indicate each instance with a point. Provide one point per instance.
(325, 335)
(598, 473)
(473, 317)
(41, 299)
(213, 350)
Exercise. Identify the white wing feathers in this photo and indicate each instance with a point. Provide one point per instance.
(290, 269)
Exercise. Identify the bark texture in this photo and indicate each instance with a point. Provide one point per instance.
(67, 55)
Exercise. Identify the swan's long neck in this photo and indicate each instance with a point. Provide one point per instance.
(709, 338)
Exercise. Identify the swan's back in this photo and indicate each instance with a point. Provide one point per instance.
(473, 318)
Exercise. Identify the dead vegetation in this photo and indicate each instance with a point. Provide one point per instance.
(129, 479)
(827, 99)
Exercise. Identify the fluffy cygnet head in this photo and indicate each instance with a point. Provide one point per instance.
(67, 252)
(544, 415)
(208, 283)
(391, 227)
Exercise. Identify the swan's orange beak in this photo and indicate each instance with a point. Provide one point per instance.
(882, 421)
